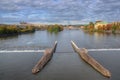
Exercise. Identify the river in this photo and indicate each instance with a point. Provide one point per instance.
(65, 64)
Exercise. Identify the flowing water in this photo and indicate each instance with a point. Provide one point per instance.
(19, 54)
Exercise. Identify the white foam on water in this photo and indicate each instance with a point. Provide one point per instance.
(19, 51)
(112, 49)
(29, 42)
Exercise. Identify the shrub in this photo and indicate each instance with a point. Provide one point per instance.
(14, 29)
(54, 28)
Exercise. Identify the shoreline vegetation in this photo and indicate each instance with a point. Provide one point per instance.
(24, 28)
(103, 27)
(12, 30)
(55, 28)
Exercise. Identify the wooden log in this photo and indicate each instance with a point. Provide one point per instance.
(91, 61)
(44, 60)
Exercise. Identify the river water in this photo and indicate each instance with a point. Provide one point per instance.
(65, 64)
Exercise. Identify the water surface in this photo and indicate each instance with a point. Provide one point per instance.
(65, 64)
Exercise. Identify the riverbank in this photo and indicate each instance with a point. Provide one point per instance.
(103, 27)
(13, 30)
(102, 31)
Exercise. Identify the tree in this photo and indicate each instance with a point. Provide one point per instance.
(91, 25)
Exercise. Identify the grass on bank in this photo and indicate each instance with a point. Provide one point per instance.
(14, 29)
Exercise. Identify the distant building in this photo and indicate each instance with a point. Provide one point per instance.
(21, 26)
(70, 27)
(82, 27)
(23, 23)
(99, 23)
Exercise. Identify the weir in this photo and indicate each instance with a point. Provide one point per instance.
(110, 49)
(19, 51)
(91, 61)
(82, 52)
(26, 51)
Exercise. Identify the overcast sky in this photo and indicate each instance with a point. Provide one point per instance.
(59, 11)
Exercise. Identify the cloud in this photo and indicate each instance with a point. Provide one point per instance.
(58, 11)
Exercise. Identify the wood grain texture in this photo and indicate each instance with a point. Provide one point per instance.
(45, 59)
(91, 61)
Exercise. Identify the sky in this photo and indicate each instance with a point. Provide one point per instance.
(59, 11)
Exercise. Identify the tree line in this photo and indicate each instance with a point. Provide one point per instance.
(113, 27)
(15, 29)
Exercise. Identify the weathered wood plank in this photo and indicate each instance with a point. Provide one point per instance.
(91, 61)
(44, 60)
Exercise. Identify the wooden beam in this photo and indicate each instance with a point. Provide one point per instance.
(45, 59)
(91, 61)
